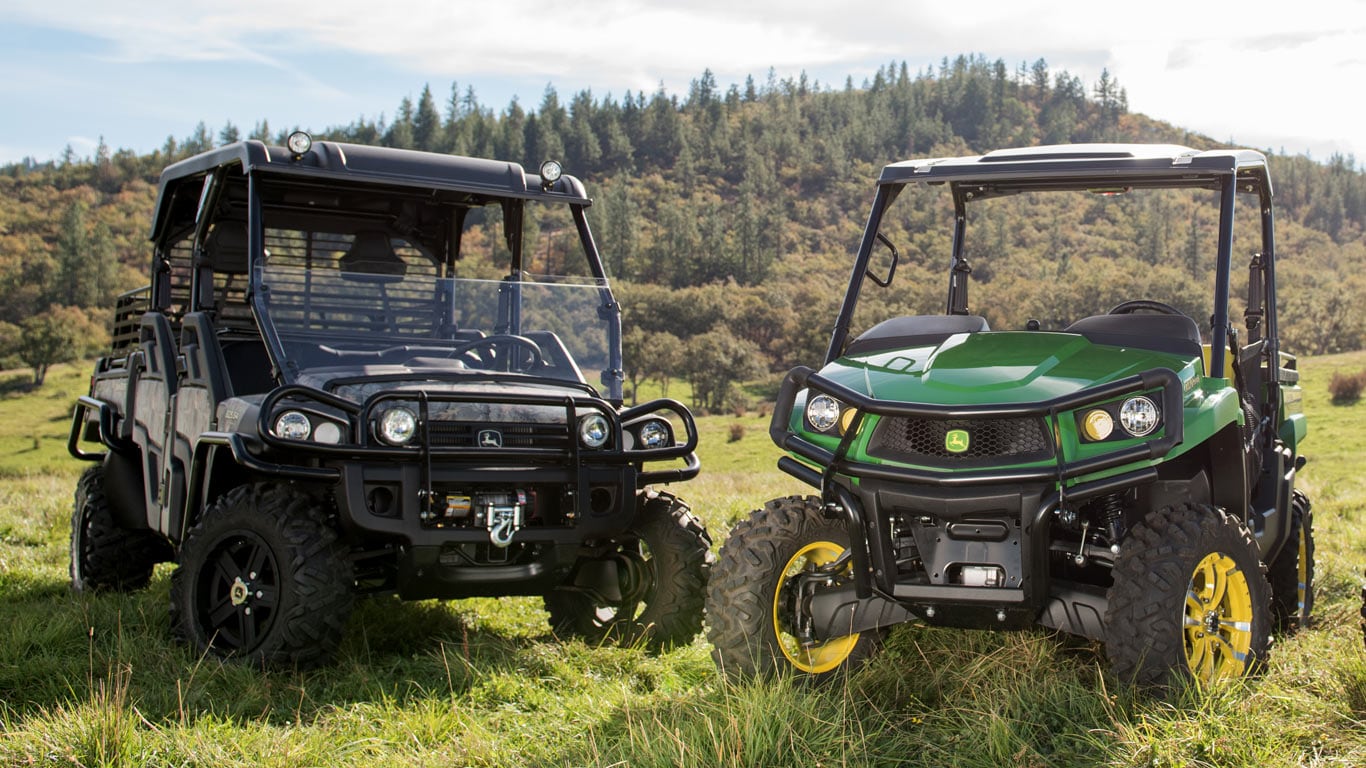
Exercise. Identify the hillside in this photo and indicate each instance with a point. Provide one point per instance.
(743, 203)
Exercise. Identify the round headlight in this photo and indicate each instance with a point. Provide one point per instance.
(551, 172)
(594, 430)
(327, 432)
(1138, 416)
(299, 142)
(293, 425)
(655, 434)
(822, 412)
(1097, 425)
(397, 426)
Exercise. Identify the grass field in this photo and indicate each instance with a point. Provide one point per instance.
(96, 681)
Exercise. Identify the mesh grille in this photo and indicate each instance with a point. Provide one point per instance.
(923, 441)
(466, 434)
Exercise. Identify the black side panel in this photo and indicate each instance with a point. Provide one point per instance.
(156, 386)
(123, 489)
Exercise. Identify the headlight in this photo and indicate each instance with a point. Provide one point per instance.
(822, 412)
(655, 434)
(397, 426)
(594, 430)
(327, 432)
(1097, 425)
(299, 142)
(1138, 416)
(293, 425)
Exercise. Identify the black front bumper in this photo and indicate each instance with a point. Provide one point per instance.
(978, 518)
(396, 497)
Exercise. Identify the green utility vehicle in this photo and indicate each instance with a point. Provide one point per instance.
(1126, 476)
(344, 379)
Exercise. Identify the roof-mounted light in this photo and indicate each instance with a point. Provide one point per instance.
(299, 142)
(551, 171)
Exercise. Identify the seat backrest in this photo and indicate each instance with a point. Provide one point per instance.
(372, 253)
(226, 248)
(1176, 334)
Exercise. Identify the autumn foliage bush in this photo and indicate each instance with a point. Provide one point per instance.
(1345, 388)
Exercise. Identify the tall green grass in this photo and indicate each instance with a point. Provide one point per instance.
(96, 681)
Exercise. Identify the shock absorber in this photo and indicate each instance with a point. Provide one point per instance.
(1111, 509)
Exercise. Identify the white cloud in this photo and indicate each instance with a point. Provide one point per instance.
(1257, 74)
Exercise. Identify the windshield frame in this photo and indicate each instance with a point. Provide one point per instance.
(611, 381)
(967, 183)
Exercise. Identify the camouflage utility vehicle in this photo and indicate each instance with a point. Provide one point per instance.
(343, 379)
(1127, 476)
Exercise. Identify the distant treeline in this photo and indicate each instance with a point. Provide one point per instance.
(757, 189)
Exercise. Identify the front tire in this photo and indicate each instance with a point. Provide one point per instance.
(751, 608)
(1292, 572)
(662, 566)
(1190, 599)
(263, 577)
(105, 557)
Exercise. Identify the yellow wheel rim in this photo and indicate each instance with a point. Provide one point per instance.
(1218, 619)
(820, 657)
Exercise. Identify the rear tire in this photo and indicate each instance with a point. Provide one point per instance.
(749, 609)
(1190, 599)
(666, 557)
(263, 577)
(1292, 572)
(105, 557)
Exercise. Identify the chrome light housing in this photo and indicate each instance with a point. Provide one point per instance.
(397, 426)
(1139, 416)
(823, 413)
(594, 430)
(299, 142)
(551, 171)
(293, 425)
(655, 433)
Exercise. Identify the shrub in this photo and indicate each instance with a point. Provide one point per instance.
(736, 432)
(1346, 387)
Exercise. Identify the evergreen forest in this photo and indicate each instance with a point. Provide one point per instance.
(728, 215)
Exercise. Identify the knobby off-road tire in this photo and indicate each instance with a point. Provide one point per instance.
(748, 601)
(263, 577)
(673, 547)
(103, 555)
(1292, 572)
(1190, 600)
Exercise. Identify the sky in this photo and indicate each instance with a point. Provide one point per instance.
(1282, 76)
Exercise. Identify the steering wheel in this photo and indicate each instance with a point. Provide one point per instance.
(1137, 305)
(520, 364)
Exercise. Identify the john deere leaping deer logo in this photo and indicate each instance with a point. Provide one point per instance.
(956, 441)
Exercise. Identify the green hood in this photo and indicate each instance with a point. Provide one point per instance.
(1009, 367)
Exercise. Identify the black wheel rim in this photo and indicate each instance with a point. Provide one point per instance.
(238, 589)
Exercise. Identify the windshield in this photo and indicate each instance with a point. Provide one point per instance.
(369, 299)
(1054, 257)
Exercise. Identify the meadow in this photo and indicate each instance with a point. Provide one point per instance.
(97, 681)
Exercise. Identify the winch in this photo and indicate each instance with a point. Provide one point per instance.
(502, 513)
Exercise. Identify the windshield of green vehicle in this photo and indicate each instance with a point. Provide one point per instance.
(1057, 256)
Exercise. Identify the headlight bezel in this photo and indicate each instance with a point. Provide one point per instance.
(397, 426)
(292, 424)
(1144, 415)
(594, 431)
(654, 433)
(822, 413)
